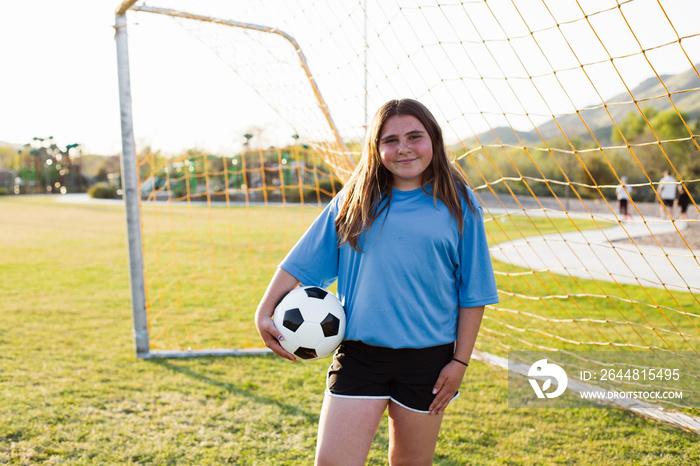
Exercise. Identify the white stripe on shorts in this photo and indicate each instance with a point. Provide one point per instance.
(359, 397)
(365, 397)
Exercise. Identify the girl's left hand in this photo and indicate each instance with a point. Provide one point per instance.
(447, 386)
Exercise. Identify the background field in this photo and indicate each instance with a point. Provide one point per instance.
(72, 392)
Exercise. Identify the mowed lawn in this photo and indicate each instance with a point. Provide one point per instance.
(72, 392)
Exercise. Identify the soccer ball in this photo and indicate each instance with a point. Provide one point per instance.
(312, 321)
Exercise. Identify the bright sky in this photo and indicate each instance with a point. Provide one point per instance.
(59, 74)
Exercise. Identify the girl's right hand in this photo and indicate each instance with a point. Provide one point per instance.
(282, 283)
(272, 337)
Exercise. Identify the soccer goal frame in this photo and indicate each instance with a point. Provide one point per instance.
(132, 195)
(130, 181)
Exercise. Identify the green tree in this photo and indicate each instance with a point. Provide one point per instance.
(633, 126)
(675, 150)
(9, 158)
(598, 171)
(664, 143)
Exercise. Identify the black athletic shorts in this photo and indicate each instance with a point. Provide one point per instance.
(405, 376)
(669, 202)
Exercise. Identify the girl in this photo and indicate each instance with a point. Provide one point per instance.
(405, 239)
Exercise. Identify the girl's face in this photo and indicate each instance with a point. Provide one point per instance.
(406, 151)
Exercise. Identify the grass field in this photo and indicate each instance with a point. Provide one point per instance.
(72, 392)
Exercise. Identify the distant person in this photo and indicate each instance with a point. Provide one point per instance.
(667, 192)
(683, 201)
(624, 194)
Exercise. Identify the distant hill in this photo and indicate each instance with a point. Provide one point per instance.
(649, 93)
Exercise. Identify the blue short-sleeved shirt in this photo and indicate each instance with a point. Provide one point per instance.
(405, 289)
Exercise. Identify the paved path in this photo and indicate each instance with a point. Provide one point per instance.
(593, 254)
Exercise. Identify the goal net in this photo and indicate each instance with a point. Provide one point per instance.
(249, 115)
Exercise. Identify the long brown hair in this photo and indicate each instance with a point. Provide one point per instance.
(370, 180)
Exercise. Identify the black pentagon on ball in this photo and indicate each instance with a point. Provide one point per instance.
(293, 319)
(315, 292)
(305, 353)
(330, 325)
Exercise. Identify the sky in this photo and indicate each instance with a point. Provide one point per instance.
(59, 78)
(59, 73)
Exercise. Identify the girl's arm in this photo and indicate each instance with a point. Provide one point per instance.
(282, 283)
(452, 374)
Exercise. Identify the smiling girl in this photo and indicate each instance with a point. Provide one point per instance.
(405, 239)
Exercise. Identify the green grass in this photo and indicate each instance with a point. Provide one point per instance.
(72, 392)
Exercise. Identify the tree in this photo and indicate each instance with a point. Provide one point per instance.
(633, 126)
(9, 158)
(675, 150)
(666, 142)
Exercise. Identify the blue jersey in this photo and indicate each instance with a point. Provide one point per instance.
(405, 289)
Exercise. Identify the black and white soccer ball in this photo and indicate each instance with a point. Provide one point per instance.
(312, 321)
